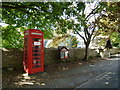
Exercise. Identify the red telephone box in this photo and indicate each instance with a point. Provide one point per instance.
(33, 51)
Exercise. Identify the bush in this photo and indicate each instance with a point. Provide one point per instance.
(116, 45)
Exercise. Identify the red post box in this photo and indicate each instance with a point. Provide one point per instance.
(64, 53)
(33, 51)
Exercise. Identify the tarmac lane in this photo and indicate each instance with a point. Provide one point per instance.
(104, 80)
(103, 74)
(108, 79)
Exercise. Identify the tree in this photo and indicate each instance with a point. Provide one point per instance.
(84, 23)
(46, 15)
(26, 15)
(65, 39)
(12, 38)
(32, 14)
(109, 23)
(89, 26)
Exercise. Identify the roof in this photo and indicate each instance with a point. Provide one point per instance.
(64, 48)
(33, 30)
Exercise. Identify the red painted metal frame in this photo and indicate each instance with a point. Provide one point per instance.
(28, 60)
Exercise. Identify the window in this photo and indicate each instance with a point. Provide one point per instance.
(36, 47)
(36, 58)
(66, 54)
(37, 39)
(36, 50)
(36, 62)
(36, 66)
(61, 54)
(36, 54)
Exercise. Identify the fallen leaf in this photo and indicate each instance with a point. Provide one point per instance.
(63, 68)
(66, 68)
(27, 77)
(59, 67)
(43, 84)
(106, 82)
(92, 65)
(109, 73)
(80, 63)
(10, 69)
(37, 83)
(25, 74)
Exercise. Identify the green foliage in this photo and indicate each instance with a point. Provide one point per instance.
(74, 41)
(12, 38)
(45, 16)
(49, 16)
(109, 23)
(115, 38)
(33, 14)
(21, 16)
(65, 40)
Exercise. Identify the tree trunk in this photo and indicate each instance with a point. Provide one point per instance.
(86, 53)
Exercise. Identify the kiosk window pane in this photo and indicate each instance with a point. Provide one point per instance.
(36, 58)
(36, 66)
(36, 62)
(37, 39)
(36, 54)
(36, 50)
(36, 47)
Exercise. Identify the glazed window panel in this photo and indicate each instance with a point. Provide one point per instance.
(62, 54)
(36, 47)
(36, 58)
(36, 50)
(37, 39)
(36, 66)
(36, 54)
(36, 62)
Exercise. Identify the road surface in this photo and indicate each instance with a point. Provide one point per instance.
(104, 74)
(109, 78)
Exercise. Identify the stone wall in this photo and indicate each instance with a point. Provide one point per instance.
(13, 57)
(104, 53)
(51, 56)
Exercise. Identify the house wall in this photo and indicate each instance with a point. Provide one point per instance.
(13, 57)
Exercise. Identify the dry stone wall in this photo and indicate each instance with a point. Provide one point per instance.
(12, 58)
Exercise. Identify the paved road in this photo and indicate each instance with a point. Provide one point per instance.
(104, 74)
(110, 78)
